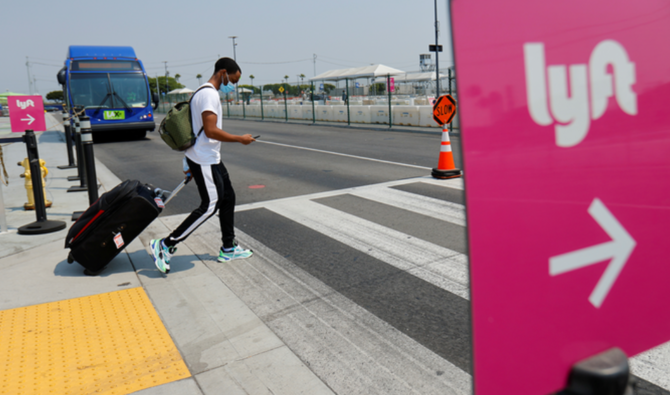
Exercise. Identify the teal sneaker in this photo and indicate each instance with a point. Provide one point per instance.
(237, 253)
(162, 255)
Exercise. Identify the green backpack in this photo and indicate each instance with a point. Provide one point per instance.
(176, 129)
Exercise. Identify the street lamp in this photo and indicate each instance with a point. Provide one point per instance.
(237, 94)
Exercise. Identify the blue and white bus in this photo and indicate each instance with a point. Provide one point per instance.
(110, 83)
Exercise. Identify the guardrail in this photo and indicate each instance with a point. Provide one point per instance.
(401, 115)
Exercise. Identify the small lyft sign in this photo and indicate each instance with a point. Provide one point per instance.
(26, 112)
(569, 253)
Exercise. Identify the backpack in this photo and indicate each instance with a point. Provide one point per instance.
(177, 128)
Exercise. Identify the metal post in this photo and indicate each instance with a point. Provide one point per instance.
(30, 82)
(313, 111)
(244, 108)
(449, 76)
(388, 85)
(285, 106)
(73, 136)
(158, 90)
(68, 142)
(346, 80)
(262, 115)
(449, 80)
(87, 142)
(42, 225)
(237, 94)
(81, 162)
(437, 56)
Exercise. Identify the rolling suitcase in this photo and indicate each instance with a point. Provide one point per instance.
(113, 221)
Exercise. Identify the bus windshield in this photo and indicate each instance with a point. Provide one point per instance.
(94, 90)
(130, 89)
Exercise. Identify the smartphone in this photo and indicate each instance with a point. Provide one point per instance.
(255, 137)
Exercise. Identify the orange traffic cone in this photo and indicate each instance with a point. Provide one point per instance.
(446, 167)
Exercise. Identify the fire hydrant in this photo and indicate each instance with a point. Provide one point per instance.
(29, 184)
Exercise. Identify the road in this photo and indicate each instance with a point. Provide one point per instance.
(368, 282)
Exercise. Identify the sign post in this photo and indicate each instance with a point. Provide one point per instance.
(27, 115)
(566, 136)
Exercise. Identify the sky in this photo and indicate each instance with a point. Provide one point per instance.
(274, 38)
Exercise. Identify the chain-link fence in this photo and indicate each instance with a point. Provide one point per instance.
(400, 100)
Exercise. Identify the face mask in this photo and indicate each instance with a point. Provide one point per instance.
(227, 88)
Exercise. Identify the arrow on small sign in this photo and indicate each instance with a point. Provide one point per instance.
(30, 119)
(619, 249)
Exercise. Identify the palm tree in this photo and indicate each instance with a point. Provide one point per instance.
(251, 77)
(302, 79)
(177, 77)
(199, 76)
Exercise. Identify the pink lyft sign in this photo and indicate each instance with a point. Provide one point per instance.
(566, 140)
(26, 112)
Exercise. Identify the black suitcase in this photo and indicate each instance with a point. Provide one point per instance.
(112, 222)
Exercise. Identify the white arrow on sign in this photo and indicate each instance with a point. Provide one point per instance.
(30, 119)
(619, 249)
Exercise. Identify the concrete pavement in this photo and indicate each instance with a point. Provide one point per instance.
(224, 345)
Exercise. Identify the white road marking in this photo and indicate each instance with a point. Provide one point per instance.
(346, 155)
(444, 268)
(431, 207)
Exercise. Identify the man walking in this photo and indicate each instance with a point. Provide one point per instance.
(203, 162)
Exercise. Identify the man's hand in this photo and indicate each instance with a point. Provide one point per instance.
(246, 139)
(213, 132)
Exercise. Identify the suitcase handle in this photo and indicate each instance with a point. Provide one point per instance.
(174, 193)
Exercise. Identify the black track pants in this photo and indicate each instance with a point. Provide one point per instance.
(216, 193)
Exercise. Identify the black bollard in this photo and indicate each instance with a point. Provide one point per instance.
(68, 142)
(89, 158)
(42, 225)
(81, 162)
(607, 373)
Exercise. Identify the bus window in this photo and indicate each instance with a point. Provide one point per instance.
(90, 90)
(130, 89)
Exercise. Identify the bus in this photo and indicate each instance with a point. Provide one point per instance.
(111, 85)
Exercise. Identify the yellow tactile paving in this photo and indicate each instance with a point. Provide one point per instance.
(112, 343)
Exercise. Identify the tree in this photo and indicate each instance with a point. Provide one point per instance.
(286, 78)
(302, 79)
(177, 77)
(328, 87)
(379, 88)
(199, 76)
(56, 96)
(172, 84)
(251, 77)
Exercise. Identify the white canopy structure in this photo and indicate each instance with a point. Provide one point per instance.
(413, 77)
(378, 70)
(180, 91)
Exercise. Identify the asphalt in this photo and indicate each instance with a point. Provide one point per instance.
(221, 340)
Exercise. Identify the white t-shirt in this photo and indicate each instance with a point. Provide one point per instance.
(205, 151)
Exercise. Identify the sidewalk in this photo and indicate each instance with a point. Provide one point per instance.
(131, 329)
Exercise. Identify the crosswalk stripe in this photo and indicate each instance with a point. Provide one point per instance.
(437, 265)
(439, 209)
(453, 183)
